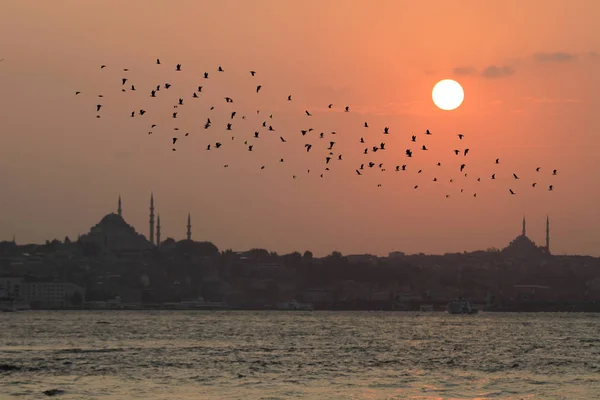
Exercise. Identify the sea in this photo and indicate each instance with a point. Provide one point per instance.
(298, 355)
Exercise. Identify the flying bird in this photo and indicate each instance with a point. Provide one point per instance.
(178, 67)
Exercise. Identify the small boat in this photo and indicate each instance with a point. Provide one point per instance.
(461, 306)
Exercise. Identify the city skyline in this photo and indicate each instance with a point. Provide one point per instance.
(530, 99)
(154, 231)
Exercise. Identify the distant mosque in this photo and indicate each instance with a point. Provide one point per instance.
(523, 245)
(112, 232)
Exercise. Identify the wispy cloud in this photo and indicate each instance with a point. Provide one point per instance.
(549, 100)
(122, 155)
(392, 108)
(494, 71)
(464, 71)
(554, 57)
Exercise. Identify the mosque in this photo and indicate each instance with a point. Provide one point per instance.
(112, 232)
(522, 245)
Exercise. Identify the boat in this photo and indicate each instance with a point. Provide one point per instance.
(294, 305)
(461, 306)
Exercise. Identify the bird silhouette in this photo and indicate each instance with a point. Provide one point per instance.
(252, 73)
(460, 136)
(178, 67)
(258, 88)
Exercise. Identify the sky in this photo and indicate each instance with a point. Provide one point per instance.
(529, 72)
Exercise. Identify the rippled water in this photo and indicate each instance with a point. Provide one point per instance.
(305, 355)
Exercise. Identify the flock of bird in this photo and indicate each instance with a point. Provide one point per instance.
(330, 139)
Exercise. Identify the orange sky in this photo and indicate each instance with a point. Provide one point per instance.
(61, 169)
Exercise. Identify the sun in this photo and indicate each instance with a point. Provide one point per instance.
(447, 94)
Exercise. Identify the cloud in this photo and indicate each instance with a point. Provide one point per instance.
(494, 71)
(392, 108)
(548, 100)
(122, 155)
(463, 71)
(554, 57)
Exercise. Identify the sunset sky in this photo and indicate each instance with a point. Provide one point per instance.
(529, 69)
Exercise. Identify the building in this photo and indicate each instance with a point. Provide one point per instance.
(113, 233)
(10, 286)
(52, 295)
(522, 245)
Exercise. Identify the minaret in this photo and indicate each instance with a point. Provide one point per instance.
(523, 227)
(158, 231)
(547, 234)
(189, 227)
(152, 218)
(119, 209)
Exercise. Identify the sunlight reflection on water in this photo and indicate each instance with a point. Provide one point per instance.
(305, 355)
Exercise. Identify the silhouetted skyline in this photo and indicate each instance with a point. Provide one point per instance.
(530, 99)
